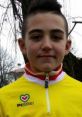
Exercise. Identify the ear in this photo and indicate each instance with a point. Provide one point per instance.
(21, 43)
(68, 46)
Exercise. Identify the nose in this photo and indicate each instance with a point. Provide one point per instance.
(46, 43)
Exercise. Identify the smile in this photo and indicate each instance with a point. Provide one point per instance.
(47, 56)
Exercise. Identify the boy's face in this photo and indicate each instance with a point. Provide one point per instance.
(45, 42)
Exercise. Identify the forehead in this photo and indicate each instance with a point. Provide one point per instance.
(45, 21)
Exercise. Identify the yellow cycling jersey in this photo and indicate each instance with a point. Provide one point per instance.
(27, 97)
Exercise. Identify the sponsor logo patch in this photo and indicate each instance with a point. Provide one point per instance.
(24, 97)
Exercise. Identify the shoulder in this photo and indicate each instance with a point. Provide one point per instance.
(72, 81)
(12, 86)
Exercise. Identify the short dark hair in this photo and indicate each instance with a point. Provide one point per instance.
(42, 6)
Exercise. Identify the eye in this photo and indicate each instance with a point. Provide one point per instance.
(56, 37)
(35, 37)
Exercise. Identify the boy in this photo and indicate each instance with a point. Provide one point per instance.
(45, 90)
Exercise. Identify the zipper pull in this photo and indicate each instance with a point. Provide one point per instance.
(46, 80)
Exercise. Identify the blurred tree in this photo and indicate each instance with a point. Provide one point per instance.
(6, 65)
(73, 66)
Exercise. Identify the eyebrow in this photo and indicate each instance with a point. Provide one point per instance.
(51, 31)
(57, 31)
(36, 30)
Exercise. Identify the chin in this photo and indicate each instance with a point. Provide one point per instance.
(47, 68)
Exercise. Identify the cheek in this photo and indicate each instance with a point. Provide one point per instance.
(60, 53)
(32, 50)
(60, 50)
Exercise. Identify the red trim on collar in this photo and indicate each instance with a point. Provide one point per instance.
(57, 72)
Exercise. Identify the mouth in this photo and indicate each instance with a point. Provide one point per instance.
(47, 56)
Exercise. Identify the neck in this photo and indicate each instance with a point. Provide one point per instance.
(52, 74)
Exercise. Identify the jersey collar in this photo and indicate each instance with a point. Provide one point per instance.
(52, 75)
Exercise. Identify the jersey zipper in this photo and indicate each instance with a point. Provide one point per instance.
(46, 80)
(47, 93)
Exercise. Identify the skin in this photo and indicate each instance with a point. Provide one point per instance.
(45, 42)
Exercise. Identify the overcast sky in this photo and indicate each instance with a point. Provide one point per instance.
(72, 10)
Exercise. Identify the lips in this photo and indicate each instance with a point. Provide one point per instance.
(47, 56)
